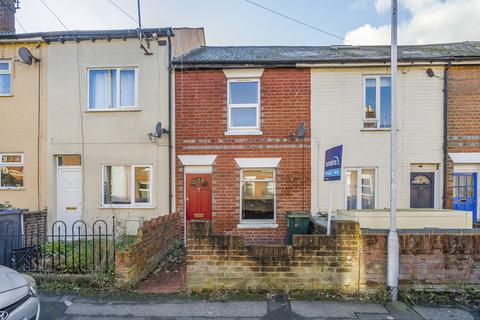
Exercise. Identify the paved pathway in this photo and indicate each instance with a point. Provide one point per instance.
(137, 307)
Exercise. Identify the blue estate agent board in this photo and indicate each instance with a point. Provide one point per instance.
(333, 164)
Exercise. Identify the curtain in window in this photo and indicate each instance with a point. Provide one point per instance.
(100, 89)
(117, 185)
(385, 103)
(127, 88)
(5, 84)
(368, 188)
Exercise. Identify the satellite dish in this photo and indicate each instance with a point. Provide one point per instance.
(300, 133)
(159, 131)
(26, 56)
(430, 73)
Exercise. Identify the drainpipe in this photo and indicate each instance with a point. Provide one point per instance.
(445, 132)
(170, 106)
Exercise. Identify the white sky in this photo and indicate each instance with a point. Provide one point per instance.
(237, 22)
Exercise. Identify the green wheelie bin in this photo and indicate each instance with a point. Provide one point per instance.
(297, 223)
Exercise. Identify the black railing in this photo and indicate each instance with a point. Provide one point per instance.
(78, 248)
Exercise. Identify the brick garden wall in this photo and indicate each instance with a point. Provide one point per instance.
(348, 261)
(312, 262)
(463, 116)
(201, 122)
(427, 261)
(153, 241)
(35, 226)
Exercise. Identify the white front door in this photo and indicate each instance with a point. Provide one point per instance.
(69, 195)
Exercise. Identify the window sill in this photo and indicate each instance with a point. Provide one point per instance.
(243, 133)
(257, 225)
(113, 110)
(6, 95)
(375, 129)
(13, 189)
(126, 207)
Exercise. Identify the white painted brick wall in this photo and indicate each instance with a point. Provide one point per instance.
(337, 118)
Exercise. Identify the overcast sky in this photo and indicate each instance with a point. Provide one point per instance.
(238, 22)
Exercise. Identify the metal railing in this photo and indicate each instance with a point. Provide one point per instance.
(78, 248)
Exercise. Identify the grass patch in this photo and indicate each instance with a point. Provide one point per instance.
(465, 297)
(77, 256)
(75, 283)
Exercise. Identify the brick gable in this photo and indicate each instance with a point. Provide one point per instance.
(463, 117)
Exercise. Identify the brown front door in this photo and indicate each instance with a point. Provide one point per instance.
(199, 197)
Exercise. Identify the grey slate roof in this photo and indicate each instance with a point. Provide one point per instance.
(311, 54)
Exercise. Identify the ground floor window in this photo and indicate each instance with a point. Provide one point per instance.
(11, 170)
(360, 188)
(258, 194)
(127, 185)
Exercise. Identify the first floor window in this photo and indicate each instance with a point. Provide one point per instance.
(377, 102)
(11, 170)
(258, 194)
(112, 88)
(243, 104)
(127, 185)
(360, 187)
(5, 78)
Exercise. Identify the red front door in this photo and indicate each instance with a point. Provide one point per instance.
(199, 197)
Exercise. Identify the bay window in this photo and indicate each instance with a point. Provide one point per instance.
(257, 195)
(360, 188)
(127, 185)
(11, 171)
(5, 78)
(377, 102)
(112, 88)
(243, 104)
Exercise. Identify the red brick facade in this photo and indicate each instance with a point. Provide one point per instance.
(7, 16)
(201, 122)
(463, 117)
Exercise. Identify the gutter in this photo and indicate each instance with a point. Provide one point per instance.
(79, 35)
(445, 132)
(170, 107)
(180, 64)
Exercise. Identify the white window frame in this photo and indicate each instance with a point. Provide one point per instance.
(244, 129)
(117, 106)
(13, 164)
(259, 222)
(359, 186)
(132, 204)
(378, 106)
(8, 72)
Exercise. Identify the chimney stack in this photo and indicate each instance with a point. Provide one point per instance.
(7, 15)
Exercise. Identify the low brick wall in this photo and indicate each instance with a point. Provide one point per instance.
(440, 261)
(153, 241)
(347, 261)
(313, 261)
(34, 227)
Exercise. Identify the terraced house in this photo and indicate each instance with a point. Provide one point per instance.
(82, 124)
(22, 116)
(242, 163)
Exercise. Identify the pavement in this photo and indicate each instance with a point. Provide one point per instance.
(145, 307)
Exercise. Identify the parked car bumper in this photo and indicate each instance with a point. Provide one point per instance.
(28, 310)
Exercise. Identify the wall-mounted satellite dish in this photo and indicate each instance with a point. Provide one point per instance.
(159, 131)
(300, 133)
(26, 56)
